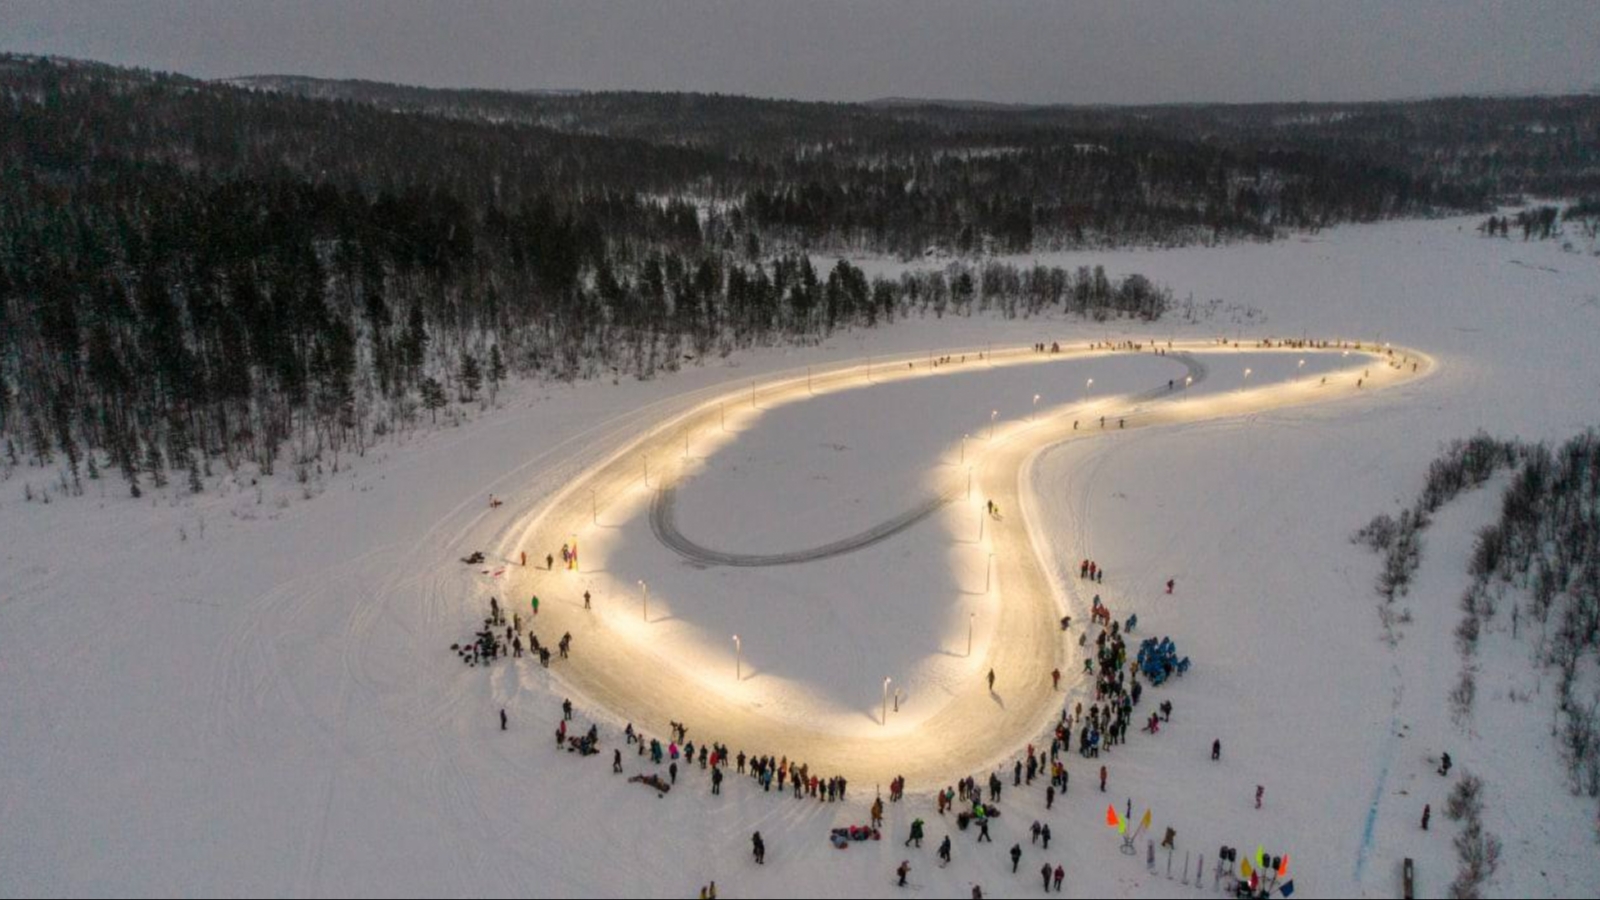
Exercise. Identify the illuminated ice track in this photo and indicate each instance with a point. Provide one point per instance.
(971, 731)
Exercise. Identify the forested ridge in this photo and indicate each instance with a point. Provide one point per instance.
(198, 274)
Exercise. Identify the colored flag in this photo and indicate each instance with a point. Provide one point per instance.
(1111, 818)
(1261, 857)
(1145, 822)
(1288, 889)
(1244, 868)
(1283, 867)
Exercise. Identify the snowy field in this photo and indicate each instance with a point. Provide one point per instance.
(252, 693)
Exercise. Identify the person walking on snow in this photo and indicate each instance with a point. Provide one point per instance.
(991, 681)
(1427, 813)
(944, 849)
(758, 848)
(916, 833)
(1055, 679)
(1170, 583)
(1046, 872)
(502, 719)
(1016, 857)
(1216, 749)
(1103, 785)
(1060, 874)
(1260, 792)
(903, 871)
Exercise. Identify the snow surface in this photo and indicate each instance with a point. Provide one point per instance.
(246, 693)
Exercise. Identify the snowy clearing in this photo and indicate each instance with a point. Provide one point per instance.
(247, 693)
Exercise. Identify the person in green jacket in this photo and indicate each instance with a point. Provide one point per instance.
(916, 833)
(536, 604)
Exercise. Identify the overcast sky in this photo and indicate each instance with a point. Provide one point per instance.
(1060, 52)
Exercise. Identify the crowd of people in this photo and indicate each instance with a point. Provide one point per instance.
(973, 802)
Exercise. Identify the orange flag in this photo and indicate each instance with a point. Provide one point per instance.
(1283, 867)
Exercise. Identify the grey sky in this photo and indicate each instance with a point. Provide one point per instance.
(1067, 52)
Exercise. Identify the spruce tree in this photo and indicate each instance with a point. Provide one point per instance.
(471, 377)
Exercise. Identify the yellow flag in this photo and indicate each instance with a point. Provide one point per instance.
(1244, 869)
(1145, 822)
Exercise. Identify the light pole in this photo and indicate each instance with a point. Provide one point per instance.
(646, 471)
(886, 700)
(964, 447)
(1188, 381)
(982, 514)
(1246, 382)
(1302, 369)
(994, 414)
(1086, 388)
(645, 588)
(594, 506)
(1035, 413)
(738, 659)
(686, 443)
(971, 617)
(988, 576)
(969, 482)
(752, 395)
(722, 415)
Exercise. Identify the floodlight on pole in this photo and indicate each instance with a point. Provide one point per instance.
(1086, 388)
(988, 576)
(994, 414)
(738, 659)
(1035, 407)
(971, 617)
(886, 700)
(645, 596)
(594, 506)
(964, 447)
